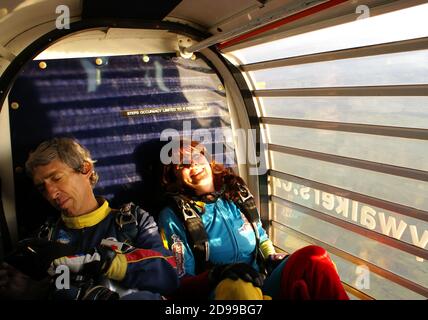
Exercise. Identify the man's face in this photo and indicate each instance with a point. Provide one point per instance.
(65, 189)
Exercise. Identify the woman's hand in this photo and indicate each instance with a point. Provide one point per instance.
(274, 260)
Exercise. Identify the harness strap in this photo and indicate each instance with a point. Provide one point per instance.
(127, 221)
(49, 228)
(247, 205)
(195, 230)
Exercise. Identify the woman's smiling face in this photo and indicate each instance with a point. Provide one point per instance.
(196, 172)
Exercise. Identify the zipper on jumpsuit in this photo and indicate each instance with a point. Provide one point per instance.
(235, 247)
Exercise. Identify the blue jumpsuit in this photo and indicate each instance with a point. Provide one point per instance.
(232, 239)
(149, 267)
(230, 235)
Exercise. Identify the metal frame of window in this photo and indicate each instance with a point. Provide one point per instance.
(357, 52)
(254, 122)
(390, 131)
(365, 91)
(352, 162)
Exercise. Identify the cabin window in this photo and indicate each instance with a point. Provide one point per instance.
(344, 111)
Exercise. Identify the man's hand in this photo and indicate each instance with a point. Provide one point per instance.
(236, 271)
(33, 256)
(93, 263)
(15, 285)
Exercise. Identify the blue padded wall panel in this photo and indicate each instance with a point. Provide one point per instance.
(95, 104)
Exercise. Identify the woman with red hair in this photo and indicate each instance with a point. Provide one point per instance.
(222, 251)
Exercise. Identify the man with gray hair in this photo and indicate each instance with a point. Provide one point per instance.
(121, 247)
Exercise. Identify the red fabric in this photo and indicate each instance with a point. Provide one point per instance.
(142, 254)
(193, 287)
(309, 274)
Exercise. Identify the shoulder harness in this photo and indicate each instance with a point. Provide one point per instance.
(190, 213)
(127, 222)
(247, 206)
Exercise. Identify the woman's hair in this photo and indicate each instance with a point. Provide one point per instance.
(222, 176)
(64, 149)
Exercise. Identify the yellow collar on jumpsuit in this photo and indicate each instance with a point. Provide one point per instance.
(87, 220)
